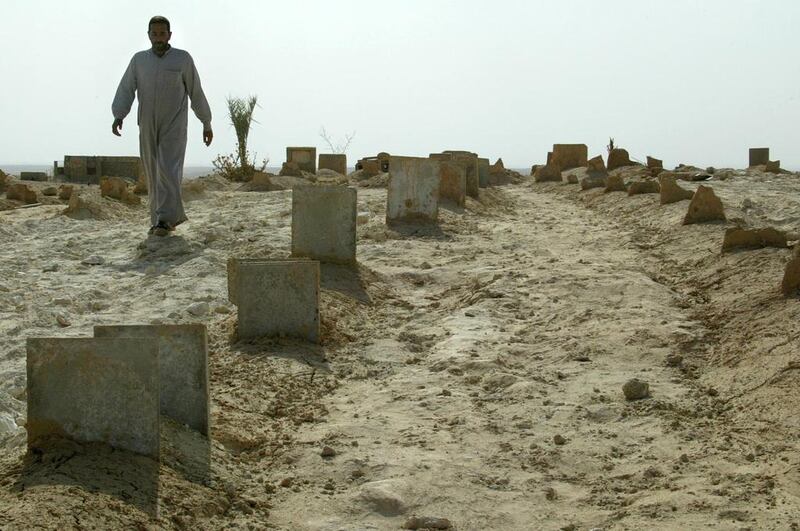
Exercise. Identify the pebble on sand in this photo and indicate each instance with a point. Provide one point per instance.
(427, 522)
(327, 451)
(635, 389)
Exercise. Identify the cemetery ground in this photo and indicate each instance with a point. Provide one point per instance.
(470, 370)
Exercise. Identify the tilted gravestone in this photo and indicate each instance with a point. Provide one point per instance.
(94, 390)
(324, 223)
(413, 190)
(275, 297)
(183, 368)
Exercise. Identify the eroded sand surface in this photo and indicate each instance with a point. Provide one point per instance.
(471, 371)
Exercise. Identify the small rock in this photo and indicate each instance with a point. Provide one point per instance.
(327, 451)
(222, 309)
(62, 320)
(383, 497)
(94, 260)
(425, 265)
(635, 389)
(550, 494)
(712, 392)
(286, 482)
(50, 191)
(674, 360)
(197, 309)
(427, 522)
(49, 268)
(559, 440)
(469, 314)
(362, 218)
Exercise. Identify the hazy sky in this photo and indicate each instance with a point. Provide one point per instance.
(692, 81)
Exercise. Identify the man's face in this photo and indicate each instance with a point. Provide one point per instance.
(159, 37)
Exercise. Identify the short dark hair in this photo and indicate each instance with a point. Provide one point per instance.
(158, 20)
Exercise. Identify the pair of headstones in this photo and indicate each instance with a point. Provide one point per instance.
(114, 387)
(281, 297)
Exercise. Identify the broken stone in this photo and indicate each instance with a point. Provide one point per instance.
(568, 156)
(497, 167)
(617, 158)
(671, 192)
(62, 320)
(65, 191)
(291, 169)
(199, 308)
(93, 260)
(705, 206)
(382, 497)
(739, 238)
(674, 360)
(773, 166)
(327, 451)
(427, 522)
(596, 167)
(117, 188)
(21, 192)
(547, 173)
(643, 187)
(572, 178)
(50, 191)
(559, 440)
(791, 276)
(653, 162)
(593, 182)
(615, 183)
(635, 389)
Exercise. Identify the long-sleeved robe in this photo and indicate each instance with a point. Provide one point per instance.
(162, 85)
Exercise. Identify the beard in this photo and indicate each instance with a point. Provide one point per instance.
(160, 46)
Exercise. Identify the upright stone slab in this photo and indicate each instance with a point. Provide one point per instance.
(183, 368)
(453, 183)
(413, 190)
(470, 165)
(94, 390)
(33, 176)
(333, 161)
(275, 297)
(483, 172)
(441, 156)
(568, 156)
(759, 156)
(304, 157)
(324, 223)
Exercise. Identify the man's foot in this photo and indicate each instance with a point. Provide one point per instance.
(163, 228)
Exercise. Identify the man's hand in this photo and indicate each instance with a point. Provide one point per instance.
(116, 126)
(208, 136)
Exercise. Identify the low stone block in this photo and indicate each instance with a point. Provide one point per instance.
(773, 166)
(275, 297)
(588, 183)
(453, 183)
(413, 190)
(21, 192)
(33, 176)
(671, 192)
(740, 238)
(618, 158)
(94, 390)
(304, 157)
(470, 165)
(615, 183)
(50, 191)
(497, 167)
(333, 161)
(759, 156)
(441, 156)
(572, 178)
(324, 223)
(568, 156)
(547, 173)
(643, 187)
(653, 162)
(483, 172)
(705, 206)
(183, 368)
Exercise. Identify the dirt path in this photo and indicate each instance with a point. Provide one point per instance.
(516, 328)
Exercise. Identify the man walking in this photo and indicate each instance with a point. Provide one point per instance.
(162, 77)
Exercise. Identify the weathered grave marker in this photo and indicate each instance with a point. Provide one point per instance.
(275, 297)
(324, 223)
(183, 368)
(94, 390)
(413, 190)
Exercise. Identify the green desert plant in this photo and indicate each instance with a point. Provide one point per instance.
(238, 166)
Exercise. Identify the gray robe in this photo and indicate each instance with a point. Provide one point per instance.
(162, 85)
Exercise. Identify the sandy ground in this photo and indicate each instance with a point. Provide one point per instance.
(470, 371)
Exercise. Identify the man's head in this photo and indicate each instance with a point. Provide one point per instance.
(159, 34)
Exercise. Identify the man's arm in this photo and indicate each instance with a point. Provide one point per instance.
(123, 99)
(199, 102)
